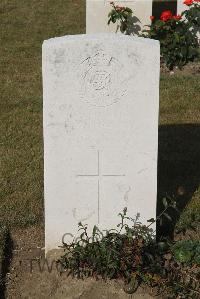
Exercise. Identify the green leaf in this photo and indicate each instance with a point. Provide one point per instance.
(165, 203)
(129, 10)
(167, 216)
(152, 220)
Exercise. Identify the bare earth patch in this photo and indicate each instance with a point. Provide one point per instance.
(30, 279)
(192, 68)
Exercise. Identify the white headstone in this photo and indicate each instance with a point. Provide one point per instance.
(101, 102)
(97, 15)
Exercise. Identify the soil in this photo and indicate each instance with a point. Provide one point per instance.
(27, 280)
(192, 68)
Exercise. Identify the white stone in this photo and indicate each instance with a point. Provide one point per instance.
(101, 102)
(181, 7)
(97, 15)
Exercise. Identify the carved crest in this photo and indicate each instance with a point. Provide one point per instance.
(101, 75)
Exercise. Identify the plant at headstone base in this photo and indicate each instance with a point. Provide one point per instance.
(187, 251)
(122, 15)
(130, 252)
(183, 270)
(115, 253)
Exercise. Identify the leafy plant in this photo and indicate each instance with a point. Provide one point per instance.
(121, 14)
(177, 34)
(115, 253)
(130, 252)
(178, 42)
(187, 251)
(192, 15)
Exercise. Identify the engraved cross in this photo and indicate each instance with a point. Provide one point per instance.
(99, 175)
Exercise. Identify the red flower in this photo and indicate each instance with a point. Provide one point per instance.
(177, 18)
(166, 15)
(119, 8)
(188, 2)
(152, 18)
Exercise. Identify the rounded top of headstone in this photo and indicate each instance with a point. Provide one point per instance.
(101, 37)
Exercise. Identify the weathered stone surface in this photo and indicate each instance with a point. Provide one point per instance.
(101, 102)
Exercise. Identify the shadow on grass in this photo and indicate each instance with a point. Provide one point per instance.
(5, 266)
(178, 169)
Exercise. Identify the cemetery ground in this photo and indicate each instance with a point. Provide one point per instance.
(21, 158)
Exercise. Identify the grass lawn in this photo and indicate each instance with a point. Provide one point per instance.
(24, 26)
(179, 145)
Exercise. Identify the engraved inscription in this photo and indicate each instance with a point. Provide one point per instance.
(99, 176)
(101, 80)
